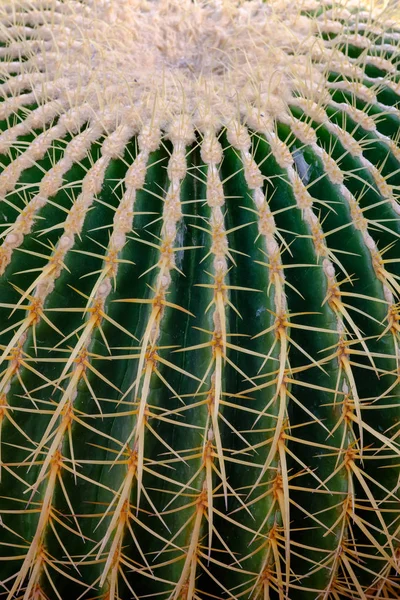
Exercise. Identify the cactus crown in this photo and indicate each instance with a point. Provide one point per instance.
(135, 61)
(199, 300)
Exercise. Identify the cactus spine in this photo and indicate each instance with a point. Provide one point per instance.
(199, 287)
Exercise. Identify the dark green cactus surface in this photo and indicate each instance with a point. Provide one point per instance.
(199, 300)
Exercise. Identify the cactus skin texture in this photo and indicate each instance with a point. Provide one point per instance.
(199, 287)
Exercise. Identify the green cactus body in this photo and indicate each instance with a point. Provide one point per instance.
(199, 286)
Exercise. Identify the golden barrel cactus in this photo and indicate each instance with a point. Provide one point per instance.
(199, 300)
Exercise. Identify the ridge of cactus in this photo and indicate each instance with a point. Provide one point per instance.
(199, 300)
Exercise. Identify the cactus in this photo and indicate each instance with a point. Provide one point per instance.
(199, 286)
